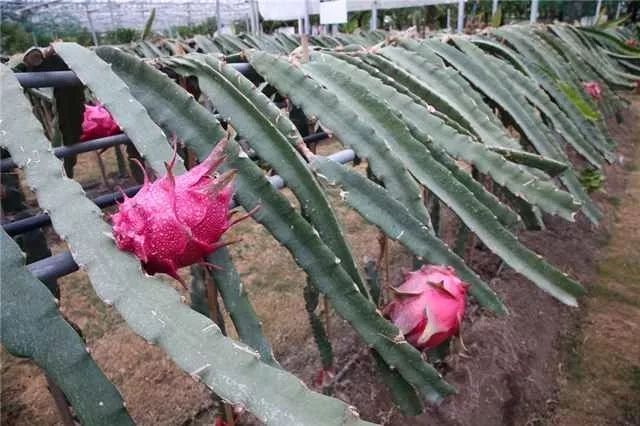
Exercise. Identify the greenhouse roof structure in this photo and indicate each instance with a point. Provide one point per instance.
(283, 10)
(104, 15)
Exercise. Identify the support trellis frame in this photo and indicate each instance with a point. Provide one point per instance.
(63, 264)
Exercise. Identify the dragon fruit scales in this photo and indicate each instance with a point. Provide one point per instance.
(428, 306)
(176, 220)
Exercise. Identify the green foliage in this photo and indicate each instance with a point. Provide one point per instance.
(13, 38)
(208, 26)
(120, 36)
(32, 327)
(591, 179)
(496, 18)
(153, 309)
(311, 299)
(576, 98)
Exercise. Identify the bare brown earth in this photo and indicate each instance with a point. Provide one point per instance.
(602, 381)
(542, 364)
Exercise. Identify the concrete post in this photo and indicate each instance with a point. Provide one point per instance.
(373, 24)
(460, 26)
(534, 12)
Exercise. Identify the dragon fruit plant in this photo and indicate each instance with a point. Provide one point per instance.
(97, 122)
(375, 104)
(428, 306)
(177, 220)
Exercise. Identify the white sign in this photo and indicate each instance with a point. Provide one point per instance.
(333, 12)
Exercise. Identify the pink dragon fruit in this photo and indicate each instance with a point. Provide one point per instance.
(97, 123)
(324, 377)
(593, 89)
(177, 220)
(428, 306)
(631, 42)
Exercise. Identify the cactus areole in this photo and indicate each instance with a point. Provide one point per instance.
(428, 306)
(176, 220)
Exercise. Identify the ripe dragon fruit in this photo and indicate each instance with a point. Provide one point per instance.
(631, 42)
(177, 220)
(428, 306)
(593, 89)
(97, 123)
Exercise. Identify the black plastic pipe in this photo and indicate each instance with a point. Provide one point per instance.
(7, 164)
(42, 219)
(68, 78)
(62, 264)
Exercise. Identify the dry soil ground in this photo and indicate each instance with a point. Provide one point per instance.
(542, 364)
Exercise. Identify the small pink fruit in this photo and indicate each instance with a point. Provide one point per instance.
(428, 306)
(97, 123)
(593, 89)
(177, 220)
(631, 42)
(324, 377)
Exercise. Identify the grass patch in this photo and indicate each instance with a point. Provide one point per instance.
(614, 201)
(630, 406)
(574, 360)
(602, 291)
(634, 376)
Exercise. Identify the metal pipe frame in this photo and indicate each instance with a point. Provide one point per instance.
(30, 80)
(8, 164)
(42, 219)
(63, 264)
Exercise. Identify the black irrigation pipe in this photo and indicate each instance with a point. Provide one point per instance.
(29, 223)
(63, 264)
(68, 78)
(39, 220)
(7, 164)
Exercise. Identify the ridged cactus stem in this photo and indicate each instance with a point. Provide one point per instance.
(320, 333)
(433, 204)
(212, 302)
(383, 264)
(462, 237)
(327, 316)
